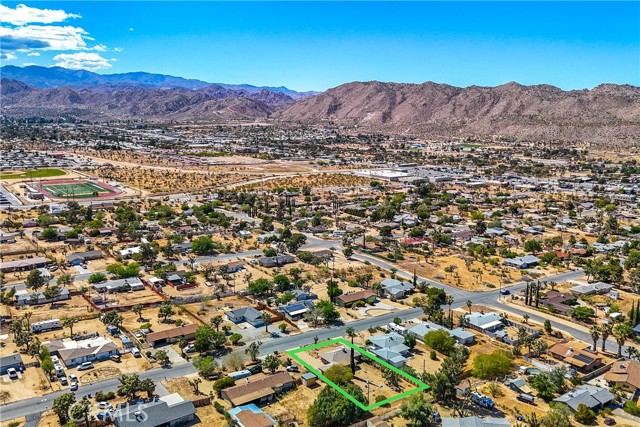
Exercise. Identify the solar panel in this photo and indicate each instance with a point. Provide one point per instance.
(583, 358)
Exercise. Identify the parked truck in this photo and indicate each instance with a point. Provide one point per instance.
(482, 400)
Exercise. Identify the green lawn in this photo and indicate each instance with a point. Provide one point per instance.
(35, 173)
(75, 190)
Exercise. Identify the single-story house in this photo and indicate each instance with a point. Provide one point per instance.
(577, 355)
(276, 261)
(24, 297)
(251, 416)
(296, 310)
(263, 238)
(119, 285)
(593, 397)
(390, 348)
(395, 288)
(340, 356)
(625, 374)
(558, 301)
(233, 266)
(522, 262)
(167, 411)
(186, 332)
(12, 361)
(462, 336)
(350, 298)
(74, 353)
(245, 314)
(258, 389)
(127, 253)
(485, 321)
(302, 295)
(475, 422)
(23, 264)
(80, 257)
(591, 289)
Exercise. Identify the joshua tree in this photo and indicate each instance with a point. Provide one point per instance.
(266, 318)
(469, 304)
(68, 323)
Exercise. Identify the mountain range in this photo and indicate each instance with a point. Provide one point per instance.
(605, 114)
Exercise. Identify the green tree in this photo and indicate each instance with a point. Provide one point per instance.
(81, 411)
(584, 415)
(440, 340)
(137, 309)
(532, 246)
(558, 416)
(206, 365)
(339, 374)
(68, 322)
(61, 406)
(216, 321)
(97, 278)
(162, 357)
(208, 339)
(165, 311)
(47, 365)
(271, 363)
(202, 245)
(35, 280)
(582, 313)
(418, 411)
(129, 386)
(492, 366)
(331, 408)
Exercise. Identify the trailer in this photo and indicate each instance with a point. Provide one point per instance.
(239, 374)
(46, 325)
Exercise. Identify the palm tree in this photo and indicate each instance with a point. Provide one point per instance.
(622, 332)
(605, 329)
(449, 300)
(351, 333)
(595, 336)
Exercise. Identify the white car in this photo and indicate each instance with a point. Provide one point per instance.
(105, 405)
(189, 348)
(13, 374)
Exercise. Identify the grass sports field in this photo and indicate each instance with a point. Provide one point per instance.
(35, 173)
(75, 190)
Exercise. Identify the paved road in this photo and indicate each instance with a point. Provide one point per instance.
(40, 404)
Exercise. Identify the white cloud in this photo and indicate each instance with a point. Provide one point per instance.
(100, 48)
(131, 29)
(117, 49)
(56, 38)
(28, 64)
(81, 61)
(8, 56)
(33, 54)
(24, 15)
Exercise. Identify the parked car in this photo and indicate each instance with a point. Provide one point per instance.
(105, 405)
(136, 352)
(609, 421)
(85, 366)
(115, 357)
(255, 369)
(13, 374)
(103, 415)
(505, 292)
(73, 380)
(190, 348)
(63, 381)
(292, 368)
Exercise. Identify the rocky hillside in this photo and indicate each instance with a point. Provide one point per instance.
(605, 113)
(213, 102)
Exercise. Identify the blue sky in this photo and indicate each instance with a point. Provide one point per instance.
(314, 46)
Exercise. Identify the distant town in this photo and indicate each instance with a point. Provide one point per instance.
(254, 274)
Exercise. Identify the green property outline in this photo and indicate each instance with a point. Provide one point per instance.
(421, 385)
